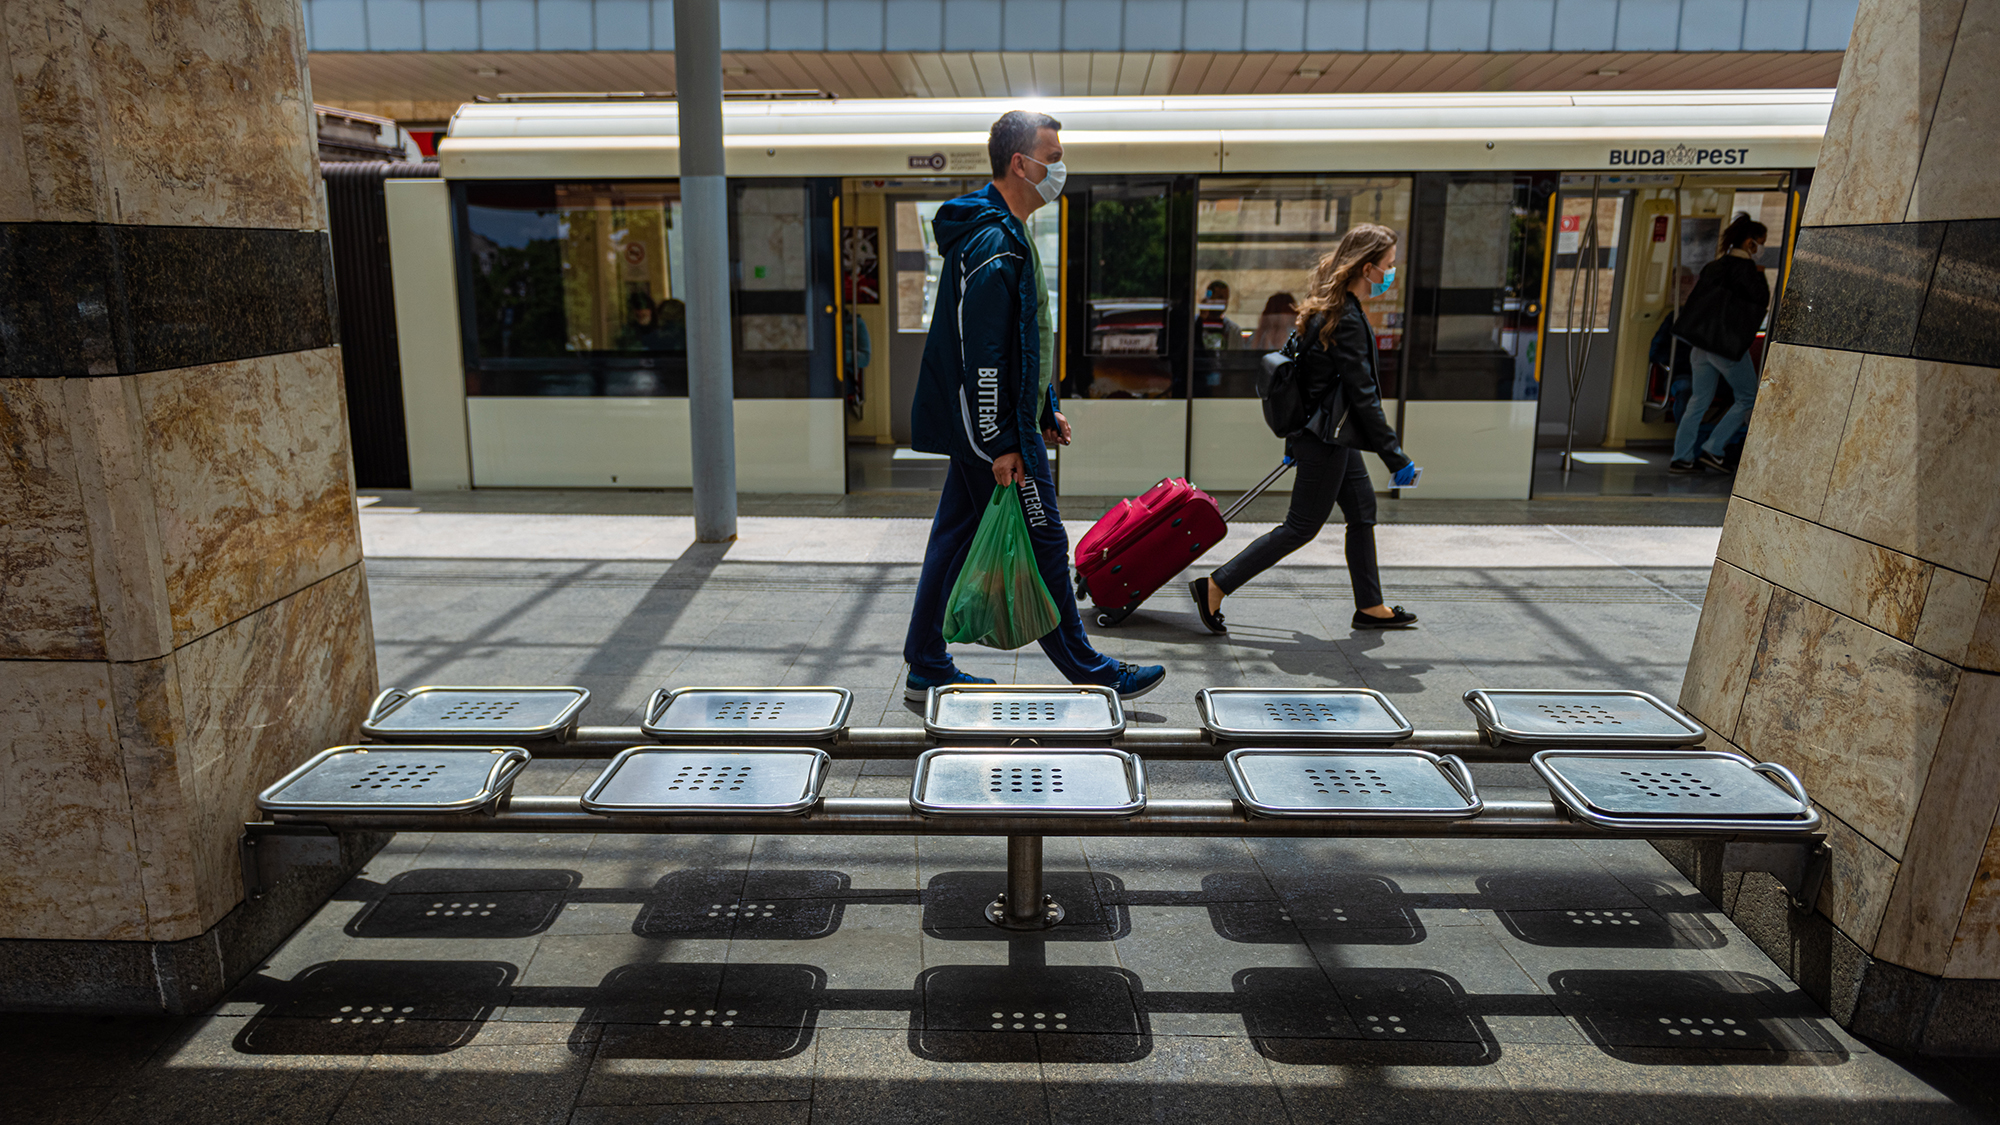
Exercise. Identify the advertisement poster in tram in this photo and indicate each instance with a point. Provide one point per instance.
(860, 251)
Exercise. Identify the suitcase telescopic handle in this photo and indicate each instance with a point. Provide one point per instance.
(1269, 480)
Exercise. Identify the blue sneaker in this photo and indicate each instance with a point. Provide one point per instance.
(1135, 680)
(918, 687)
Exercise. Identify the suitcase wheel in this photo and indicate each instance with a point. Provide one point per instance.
(1106, 618)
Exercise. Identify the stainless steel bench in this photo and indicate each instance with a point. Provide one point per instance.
(1012, 760)
(1066, 783)
(476, 714)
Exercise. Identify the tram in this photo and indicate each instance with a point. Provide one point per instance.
(1545, 236)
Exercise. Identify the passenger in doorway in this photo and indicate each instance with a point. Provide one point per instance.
(1719, 321)
(984, 397)
(1338, 370)
(860, 352)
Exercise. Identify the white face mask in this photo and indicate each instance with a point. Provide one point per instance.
(1051, 185)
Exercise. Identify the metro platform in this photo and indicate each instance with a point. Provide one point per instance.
(527, 977)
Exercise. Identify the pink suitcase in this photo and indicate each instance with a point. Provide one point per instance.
(1140, 545)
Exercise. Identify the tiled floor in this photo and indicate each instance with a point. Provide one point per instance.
(624, 979)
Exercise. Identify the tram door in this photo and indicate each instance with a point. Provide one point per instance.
(1580, 344)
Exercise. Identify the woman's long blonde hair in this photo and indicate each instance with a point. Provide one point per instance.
(1326, 291)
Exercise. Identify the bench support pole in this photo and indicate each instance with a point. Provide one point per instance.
(1024, 906)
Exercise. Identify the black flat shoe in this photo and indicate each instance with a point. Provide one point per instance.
(1399, 618)
(1210, 620)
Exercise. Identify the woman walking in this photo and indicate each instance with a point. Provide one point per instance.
(1719, 320)
(1338, 366)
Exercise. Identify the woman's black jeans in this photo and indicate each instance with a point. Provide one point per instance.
(1327, 475)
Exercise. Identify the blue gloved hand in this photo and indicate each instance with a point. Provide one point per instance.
(1406, 477)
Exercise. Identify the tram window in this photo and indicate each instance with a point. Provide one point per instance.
(573, 289)
(1474, 294)
(773, 330)
(1127, 302)
(917, 272)
(1476, 267)
(1570, 285)
(577, 289)
(1256, 241)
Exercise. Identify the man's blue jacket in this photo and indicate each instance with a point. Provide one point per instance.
(978, 394)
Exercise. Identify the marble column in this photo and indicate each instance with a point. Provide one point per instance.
(1852, 627)
(183, 613)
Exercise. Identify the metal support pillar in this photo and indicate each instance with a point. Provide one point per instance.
(705, 211)
(1024, 906)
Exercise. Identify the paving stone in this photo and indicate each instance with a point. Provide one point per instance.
(1181, 1078)
(528, 1085)
(875, 1078)
(202, 1076)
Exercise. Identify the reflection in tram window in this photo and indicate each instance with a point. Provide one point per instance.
(576, 289)
(1571, 291)
(917, 280)
(916, 271)
(1476, 267)
(1255, 241)
(773, 330)
(1127, 309)
(573, 290)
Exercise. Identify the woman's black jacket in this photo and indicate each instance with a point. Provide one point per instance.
(1726, 307)
(1341, 377)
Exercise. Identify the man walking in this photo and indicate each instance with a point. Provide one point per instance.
(985, 397)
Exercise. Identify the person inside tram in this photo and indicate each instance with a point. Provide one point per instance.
(1719, 322)
(1339, 370)
(985, 398)
(1274, 324)
(672, 321)
(635, 334)
(1666, 352)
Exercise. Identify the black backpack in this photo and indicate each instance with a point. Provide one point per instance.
(1285, 408)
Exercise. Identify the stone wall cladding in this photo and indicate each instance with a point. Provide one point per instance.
(1853, 623)
(184, 616)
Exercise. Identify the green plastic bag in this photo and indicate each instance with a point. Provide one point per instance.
(1000, 600)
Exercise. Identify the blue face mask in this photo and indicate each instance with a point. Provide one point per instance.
(1382, 286)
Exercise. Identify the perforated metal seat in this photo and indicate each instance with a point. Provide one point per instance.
(1667, 790)
(1041, 782)
(1000, 711)
(480, 714)
(800, 714)
(1321, 716)
(1411, 784)
(685, 781)
(397, 779)
(1533, 717)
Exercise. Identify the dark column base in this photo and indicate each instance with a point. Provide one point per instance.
(172, 977)
(1885, 1003)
